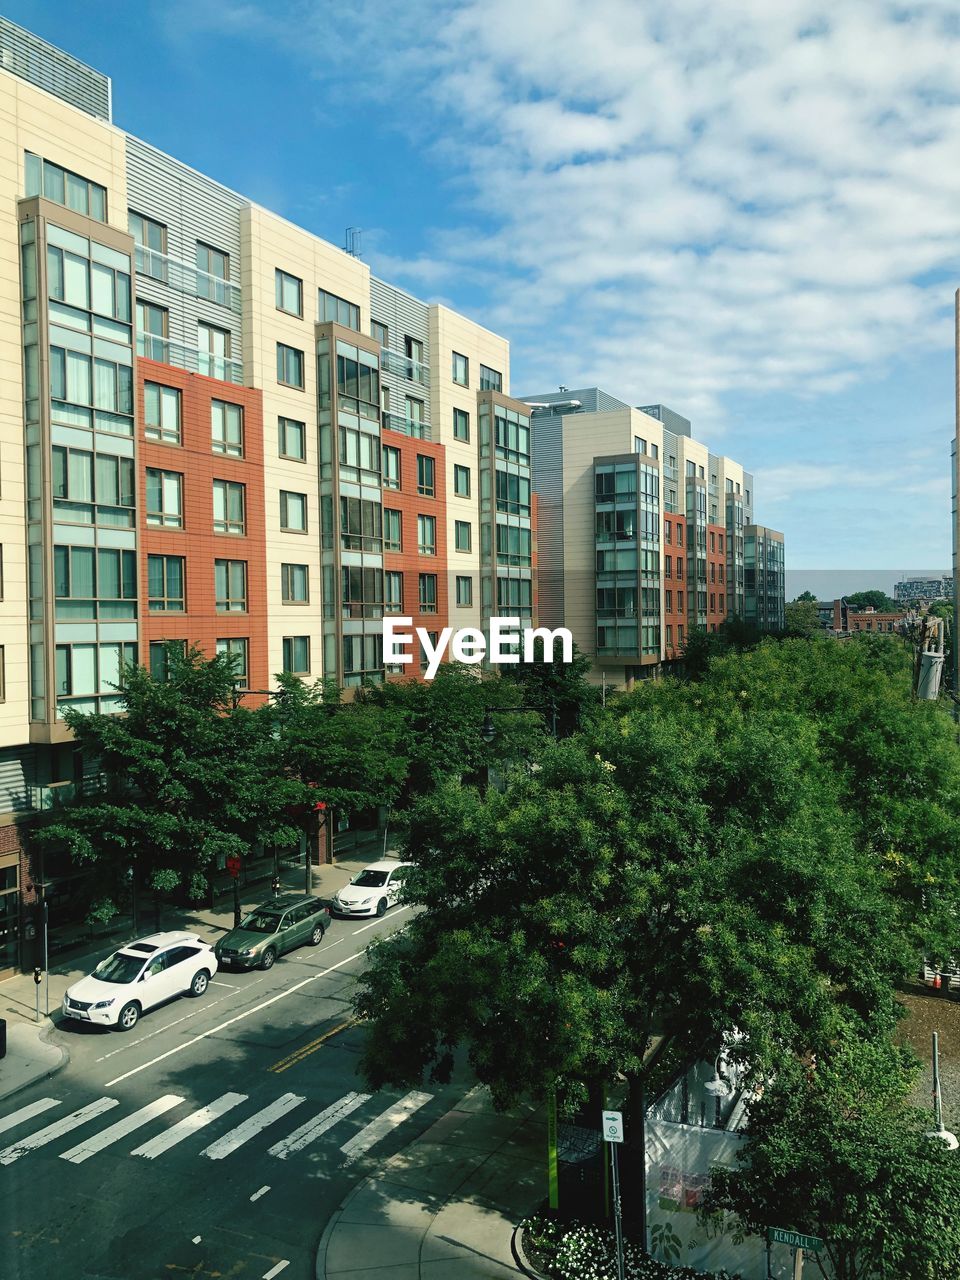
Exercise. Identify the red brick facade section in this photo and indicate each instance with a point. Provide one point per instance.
(410, 504)
(196, 461)
(716, 576)
(674, 585)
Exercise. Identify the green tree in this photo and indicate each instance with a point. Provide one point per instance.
(807, 595)
(874, 599)
(801, 617)
(189, 780)
(834, 1151)
(558, 691)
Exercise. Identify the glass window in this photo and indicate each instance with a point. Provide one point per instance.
(161, 410)
(490, 379)
(393, 591)
(213, 271)
(295, 583)
(464, 591)
(413, 349)
(289, 366)
(513, 494)
(380, 332)
(391, 466)
(427, 535)
(239, 650)
(338, 309)
(293, 439)
(425, 475)
(147, 232)
(165, 584)
(66, 188)
(392, 530)
(160, 657)
(226, 423)
(461, 481)
(289, 293)
(229, 507)
(461, 424)
(213, 340)
(293, 511)
(296, 655)
(462, 534)
(361, 525)
(230, 585)
(428, 593)
(461, 369)
(164, 498)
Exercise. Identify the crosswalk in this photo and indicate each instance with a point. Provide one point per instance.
(174, 1130)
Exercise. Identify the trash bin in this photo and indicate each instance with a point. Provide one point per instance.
(3, 1037)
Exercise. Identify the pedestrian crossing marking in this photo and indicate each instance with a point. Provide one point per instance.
(99, 1141)
(188, 1126)
(27, 1113)
(235, 1139)
(56, 1130)
(383, 1124)
(306, 1134)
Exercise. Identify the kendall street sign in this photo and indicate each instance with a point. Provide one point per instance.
(780, 1235)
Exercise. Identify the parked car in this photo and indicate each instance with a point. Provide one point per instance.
(372, 890)
(140, 976)
(273, 928)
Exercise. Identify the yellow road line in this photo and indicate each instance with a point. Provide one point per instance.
(298, 1055)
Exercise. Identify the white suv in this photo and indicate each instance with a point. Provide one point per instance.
(140, 976)
(372, 890)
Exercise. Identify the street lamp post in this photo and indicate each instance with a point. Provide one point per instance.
(941, 1133)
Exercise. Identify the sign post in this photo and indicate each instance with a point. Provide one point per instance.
(553, 1180)
(612, 1125)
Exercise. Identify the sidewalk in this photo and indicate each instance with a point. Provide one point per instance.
(30, 1057)
(446, 1206)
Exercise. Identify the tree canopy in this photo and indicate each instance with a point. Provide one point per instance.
(874, 599)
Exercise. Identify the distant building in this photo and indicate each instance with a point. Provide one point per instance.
(844, 620)
(923, 589)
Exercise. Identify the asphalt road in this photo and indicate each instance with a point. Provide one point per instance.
(214, 1140)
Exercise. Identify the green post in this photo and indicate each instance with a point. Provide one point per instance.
(553, 1181)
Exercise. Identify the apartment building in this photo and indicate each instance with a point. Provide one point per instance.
(217, 429)
(644, 535)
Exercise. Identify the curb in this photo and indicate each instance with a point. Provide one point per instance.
(520, 1257)
(43, 1074)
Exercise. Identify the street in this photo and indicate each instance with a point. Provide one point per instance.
(215, 1140)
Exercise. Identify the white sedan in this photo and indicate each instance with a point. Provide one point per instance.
(372, 890)
(140, 976)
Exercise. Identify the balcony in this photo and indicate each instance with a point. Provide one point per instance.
(185, 278)
(397, 362)
(407, 426)
(152, 347)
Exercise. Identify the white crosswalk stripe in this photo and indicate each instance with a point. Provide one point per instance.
(188, 1126)
(306, 1134)
(99, 1141)
(235, 1139)
(27, 1113)
(383, 1124)
(56, 1130)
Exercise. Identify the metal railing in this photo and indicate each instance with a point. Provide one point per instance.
(163, 350)
(398, 362)
(186, 278)
(408, 426)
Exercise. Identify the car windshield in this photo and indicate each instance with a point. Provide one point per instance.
(262, 922)
(370, 879)
(119, 968)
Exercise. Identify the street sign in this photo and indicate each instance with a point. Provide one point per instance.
(612, 1125)
(781, 1235)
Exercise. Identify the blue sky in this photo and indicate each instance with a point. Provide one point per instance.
(748, 211)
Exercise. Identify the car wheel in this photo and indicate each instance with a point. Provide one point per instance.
(382, 907)
(129, 1016)
(200, 983)
(267, 959)
(317, 936)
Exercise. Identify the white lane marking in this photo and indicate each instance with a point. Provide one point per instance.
(188, 1126)
(188, 1044)
(231, 1141)
(27, 1113)
(380, 919)
(275, 1271)
(167, 1026)
(303, 1136)
(383, 1124)
(57, 1129)
(228, 985)
(257, 1194)
(84, 1150)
